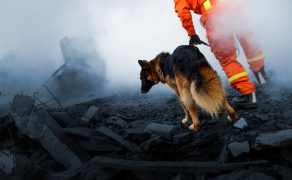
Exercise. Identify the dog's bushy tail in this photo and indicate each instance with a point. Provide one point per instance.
(210, 93)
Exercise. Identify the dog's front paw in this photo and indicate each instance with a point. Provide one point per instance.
(194, 128)
(184, 120)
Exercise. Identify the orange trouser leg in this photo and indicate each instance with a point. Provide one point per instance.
(224, 50)
(252, 51)
(245, 35)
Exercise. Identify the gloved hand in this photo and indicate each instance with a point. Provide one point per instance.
(194, 40)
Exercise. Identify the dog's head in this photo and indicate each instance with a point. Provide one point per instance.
(148, 76)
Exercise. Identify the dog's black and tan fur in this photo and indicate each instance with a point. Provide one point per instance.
(189, 74)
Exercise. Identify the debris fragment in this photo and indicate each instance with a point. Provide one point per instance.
(238, 148)
(169, 166)
(57, 144)
(285, 172)
(39, 125)
(163, 130)
(223, 156)
(136, 135)
(6, 161)
(241, 123)
(129, 145)
(4, 110)
(117, 123)
(244, 174)
(89, 114)
(274, 139)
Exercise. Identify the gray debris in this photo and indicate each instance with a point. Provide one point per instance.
(238, 148)
(63, 118)
(22, 105)
(89, 114)
(4, 110)
(223, 156)
(285, 172)
(79, 131)
(136, 135)
(117, 122)
(244, 174)
(169, 166)
(275, 139)
(6, 161)
(128, 144)
(241, 123)
(40, 126)
(163, 130)
(182, 137)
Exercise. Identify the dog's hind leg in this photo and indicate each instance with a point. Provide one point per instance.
(189, 103)
(191, 107)
(232, 116)
(187, 115)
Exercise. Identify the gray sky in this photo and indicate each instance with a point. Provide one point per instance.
(126, 31)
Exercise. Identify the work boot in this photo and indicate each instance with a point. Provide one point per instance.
(245, 101)
(261, 76)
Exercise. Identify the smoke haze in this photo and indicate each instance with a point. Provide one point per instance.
(124, 32)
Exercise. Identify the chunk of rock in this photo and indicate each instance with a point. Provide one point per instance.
(274, 139)
(241, 123)
(163, 130)
(89, 114)
(238, 148)
(6, 161)
(244, 174)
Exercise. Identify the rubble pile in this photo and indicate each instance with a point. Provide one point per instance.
(141, 137)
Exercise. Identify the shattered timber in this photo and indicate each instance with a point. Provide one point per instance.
(51, 135)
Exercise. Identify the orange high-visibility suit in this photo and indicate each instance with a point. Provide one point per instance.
(224, 20)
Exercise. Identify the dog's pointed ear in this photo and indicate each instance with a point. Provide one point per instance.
(143, 64)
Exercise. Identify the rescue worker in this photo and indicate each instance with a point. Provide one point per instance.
(224, 20)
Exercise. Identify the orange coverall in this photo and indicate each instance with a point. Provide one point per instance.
(224, 19)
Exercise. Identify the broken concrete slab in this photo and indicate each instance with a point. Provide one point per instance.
(163, 130)
(63, 118)
(82, 67)
(117, 122)
(182, 137)
(7, 161)
(285, 172)
(94, 146)
(274, 139)
(79, 131)
(168, 166)
(241, 123)
(223, 156)
(90, 113)
(22, 105)
(128, 144)
(35, 129)
(238, 148)
(41, 126)
(136, 135)
(244, 174)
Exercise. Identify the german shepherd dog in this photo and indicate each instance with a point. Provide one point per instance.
(192, 78)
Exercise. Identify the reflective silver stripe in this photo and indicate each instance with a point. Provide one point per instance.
(256, 58)
(261, 78)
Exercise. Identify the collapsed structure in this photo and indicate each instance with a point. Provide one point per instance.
(67, 130)
(140, 137)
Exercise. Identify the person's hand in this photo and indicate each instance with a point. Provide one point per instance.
(194, 40)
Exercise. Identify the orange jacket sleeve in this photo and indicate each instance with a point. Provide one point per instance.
(182, 8)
